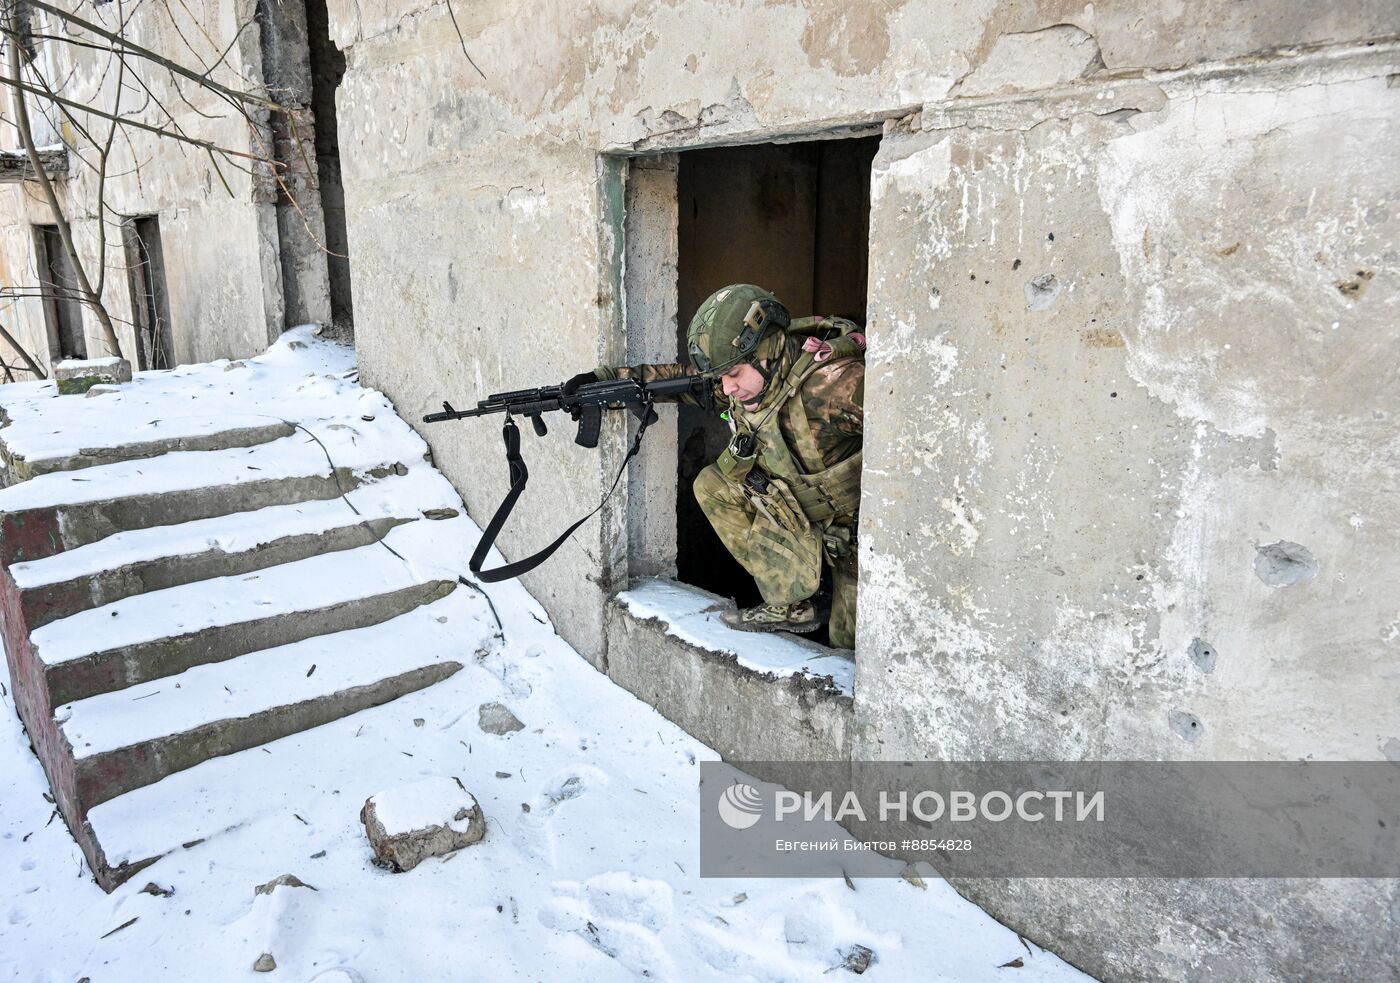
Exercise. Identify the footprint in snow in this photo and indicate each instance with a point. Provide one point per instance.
(512, 676)
(819, 934)
(340, 974)
(619, 914)
(534, 832)
(570, 783)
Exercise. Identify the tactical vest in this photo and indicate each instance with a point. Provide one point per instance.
(826, 495)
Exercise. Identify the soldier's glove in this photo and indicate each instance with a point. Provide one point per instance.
(582, 379)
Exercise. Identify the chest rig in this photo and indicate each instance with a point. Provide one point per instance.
(775, 441)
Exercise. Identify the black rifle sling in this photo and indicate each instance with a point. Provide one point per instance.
(519, 475)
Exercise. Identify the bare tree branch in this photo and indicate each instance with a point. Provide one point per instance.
(102, 157)
(150, 55)
(65, 232)
(159, 131)
(73, 116)
(28, 359)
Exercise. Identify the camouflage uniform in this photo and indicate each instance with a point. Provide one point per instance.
(781, 534)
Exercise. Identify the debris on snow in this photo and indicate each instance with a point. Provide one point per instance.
(857, 959)
(125, 924)
(496, 718)
(284, 880)
(432, 817)
(73, 376)
(912, 876)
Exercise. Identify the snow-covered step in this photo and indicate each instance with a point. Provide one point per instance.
(198, 519)
(165, 632)
(196, 434)
(223, 708)
(60, 511)
(143, 560)
(266, 783)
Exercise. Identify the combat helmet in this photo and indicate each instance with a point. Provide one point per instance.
(729, 325)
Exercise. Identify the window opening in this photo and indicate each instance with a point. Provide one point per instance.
(63, 312)
(792, 218)
(150, 305)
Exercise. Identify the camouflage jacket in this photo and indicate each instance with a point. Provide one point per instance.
(832, 396)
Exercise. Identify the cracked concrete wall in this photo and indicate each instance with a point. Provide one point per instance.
(1133, 287)
(1142, 507)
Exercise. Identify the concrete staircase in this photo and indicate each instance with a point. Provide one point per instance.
(168, 602)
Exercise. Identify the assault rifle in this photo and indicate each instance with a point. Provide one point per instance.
(585, 405)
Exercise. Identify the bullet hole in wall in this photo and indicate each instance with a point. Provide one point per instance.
(1284, 564)
(1186, 725)
(1203, 654)
(1041, 291)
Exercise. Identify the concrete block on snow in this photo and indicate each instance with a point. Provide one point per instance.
(75, 376)
(427, 818)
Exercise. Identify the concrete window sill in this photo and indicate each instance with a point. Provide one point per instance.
(749, 696)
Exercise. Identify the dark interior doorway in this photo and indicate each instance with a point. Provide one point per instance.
(793, 218)
(327, 70)
(150, 307)
(302, 68)
(63, 312)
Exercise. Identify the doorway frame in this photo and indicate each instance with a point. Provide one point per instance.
(640, 201)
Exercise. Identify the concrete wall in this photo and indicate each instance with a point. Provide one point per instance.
(1152, 325)
(1133, 298)
(221, 246)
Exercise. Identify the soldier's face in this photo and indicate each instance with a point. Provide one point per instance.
(743, 382)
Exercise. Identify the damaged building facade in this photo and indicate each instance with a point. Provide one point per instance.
(207, 256)
(1129, 275)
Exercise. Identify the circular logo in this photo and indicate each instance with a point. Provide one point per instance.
(740, 806)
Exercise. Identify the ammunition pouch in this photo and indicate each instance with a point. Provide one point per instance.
(737, 460)
(773, 498)
(756, 481)
(839, 542)
(832, 493)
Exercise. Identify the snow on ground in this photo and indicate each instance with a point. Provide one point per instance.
(202, 398)
(588, 870)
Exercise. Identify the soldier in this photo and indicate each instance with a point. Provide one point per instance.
(784, 495)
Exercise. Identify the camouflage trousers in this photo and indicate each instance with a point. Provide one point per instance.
(783, 553)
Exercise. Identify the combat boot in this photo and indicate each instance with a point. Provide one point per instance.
(799, 617)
